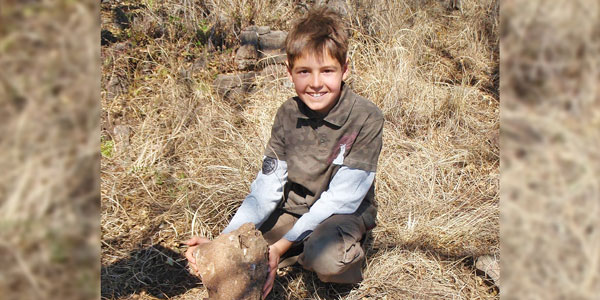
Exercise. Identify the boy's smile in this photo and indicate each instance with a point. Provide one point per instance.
(317, 81)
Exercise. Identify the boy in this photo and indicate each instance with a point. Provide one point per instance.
(314, 197)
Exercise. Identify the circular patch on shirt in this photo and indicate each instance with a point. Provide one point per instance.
(269, 165)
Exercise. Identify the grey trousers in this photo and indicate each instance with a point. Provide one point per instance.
(333, 250)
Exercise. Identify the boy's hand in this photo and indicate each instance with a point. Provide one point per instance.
(189, 253)
(275, 252)
(274, 256)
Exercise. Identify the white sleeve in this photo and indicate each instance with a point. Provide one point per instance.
(345, 194)
(265, 193)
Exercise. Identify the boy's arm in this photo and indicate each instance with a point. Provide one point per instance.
(345, 194)
(265, 193)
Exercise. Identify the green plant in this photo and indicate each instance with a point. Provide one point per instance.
(107, 148)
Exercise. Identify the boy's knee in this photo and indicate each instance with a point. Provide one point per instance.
(334, 253)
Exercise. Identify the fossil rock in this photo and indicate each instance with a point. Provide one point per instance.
(234, 265)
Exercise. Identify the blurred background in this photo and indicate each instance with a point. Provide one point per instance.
(49, 140)
(549, 166)
(52, 140)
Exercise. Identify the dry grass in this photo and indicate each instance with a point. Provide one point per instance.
(192, 156)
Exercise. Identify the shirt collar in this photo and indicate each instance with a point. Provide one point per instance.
(338, 114)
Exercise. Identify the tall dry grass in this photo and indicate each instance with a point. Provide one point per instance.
(191, 156)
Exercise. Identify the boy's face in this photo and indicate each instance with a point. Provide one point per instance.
(318, 82)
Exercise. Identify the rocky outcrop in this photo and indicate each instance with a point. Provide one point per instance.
(260, 47)
(234, 266)
(262, 53)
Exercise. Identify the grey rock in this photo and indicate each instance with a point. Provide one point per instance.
(274, 40)
(272, 48)
(249, 37)
(246, 57)
(263, 29)
(340, 7)
(275, 75)
(229, 86)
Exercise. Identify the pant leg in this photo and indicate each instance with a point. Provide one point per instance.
(334, 249)
(274, 228)
(277, 225)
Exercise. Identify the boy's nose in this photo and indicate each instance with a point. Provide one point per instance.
(316, 82)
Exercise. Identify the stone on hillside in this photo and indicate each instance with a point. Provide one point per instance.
(259, 43)
(339, 6)
(263, 29)
(234, 266)
(249, 37)
(272, 47)
(229, 86)
(247, 55)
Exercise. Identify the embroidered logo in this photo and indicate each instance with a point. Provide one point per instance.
(341, 147)
(269, 165)
(339, 160)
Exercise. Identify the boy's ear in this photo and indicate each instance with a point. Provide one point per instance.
(346, 70)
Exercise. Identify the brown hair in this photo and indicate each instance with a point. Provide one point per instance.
(321, 29)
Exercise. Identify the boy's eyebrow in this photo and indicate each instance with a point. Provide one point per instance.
(321, 67)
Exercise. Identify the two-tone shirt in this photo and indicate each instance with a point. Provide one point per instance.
(315, 147)
(317, 166)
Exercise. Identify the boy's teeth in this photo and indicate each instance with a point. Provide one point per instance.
(317, 95)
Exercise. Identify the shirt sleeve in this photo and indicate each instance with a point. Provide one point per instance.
(345, 194)
(365, 150)
(265, 193)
